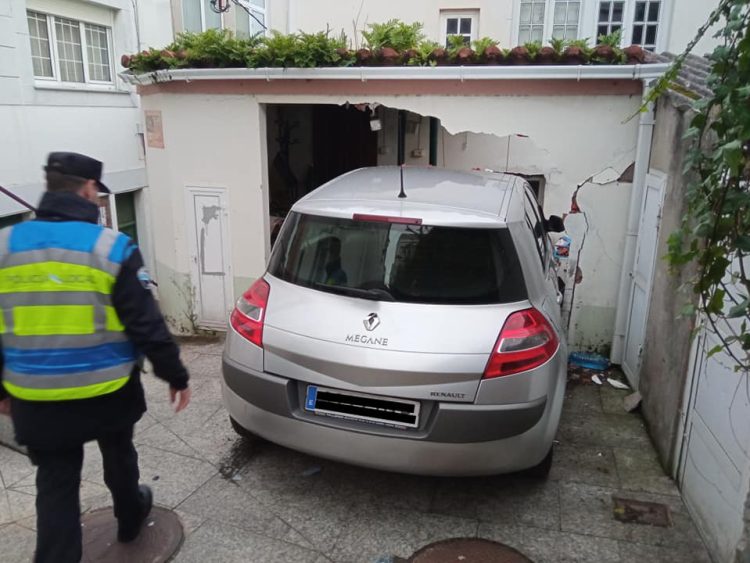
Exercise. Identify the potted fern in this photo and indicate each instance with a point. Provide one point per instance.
(487, 51)
(607, 50)
(459, 52)
(577, 52)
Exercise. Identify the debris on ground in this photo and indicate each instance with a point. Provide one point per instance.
(632, 401)
(310, 471)
(596, 379)
(617, 384)
(631, 511)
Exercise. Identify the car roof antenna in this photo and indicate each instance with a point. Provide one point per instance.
(402, 193)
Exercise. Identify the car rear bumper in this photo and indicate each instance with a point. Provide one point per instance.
(456, 439)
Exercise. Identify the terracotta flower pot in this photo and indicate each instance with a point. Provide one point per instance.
(574, 56)
(181, 54)
(364, 57)
(388, 56)
(546, 56)
(604, 54)
(125, 61)
(464, 56)
(635, 54)
(519, 56)
(408, 55)
(440, 56)
(493, 55)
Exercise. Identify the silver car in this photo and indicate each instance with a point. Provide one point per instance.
(408, 321)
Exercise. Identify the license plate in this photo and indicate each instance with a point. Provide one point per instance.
(361, 407)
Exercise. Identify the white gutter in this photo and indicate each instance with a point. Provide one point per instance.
(527, 72)
(642, 161)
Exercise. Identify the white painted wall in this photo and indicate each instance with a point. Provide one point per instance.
(687, 17)
(37, 120)
(154, 23)
(567, 141)
(195, 128)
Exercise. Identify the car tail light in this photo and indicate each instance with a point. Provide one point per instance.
(526, 341)
(249, 312)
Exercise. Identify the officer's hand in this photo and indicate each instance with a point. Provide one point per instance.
(180, 398)
(5, 406)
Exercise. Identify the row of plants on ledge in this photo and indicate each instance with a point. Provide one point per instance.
(393, 43)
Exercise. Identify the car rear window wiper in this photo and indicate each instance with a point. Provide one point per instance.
(375, 294)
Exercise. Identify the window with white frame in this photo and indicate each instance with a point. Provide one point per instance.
(67, 50)
(254, 23)
(646, 23)
(531, 21)
(540, 20)
(611, 17)
(566, 17)
(465, 24)
(198, 16)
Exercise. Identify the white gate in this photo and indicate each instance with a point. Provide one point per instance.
(714, 470)
(210, 266)
(642, 275)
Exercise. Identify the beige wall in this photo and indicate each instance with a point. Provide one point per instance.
(215, 141)
(494, 16)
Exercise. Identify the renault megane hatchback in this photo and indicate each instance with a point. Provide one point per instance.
(409, 321)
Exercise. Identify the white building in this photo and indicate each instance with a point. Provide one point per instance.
(660, 25)
(60, 91)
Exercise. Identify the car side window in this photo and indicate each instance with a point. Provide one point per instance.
(534, 221)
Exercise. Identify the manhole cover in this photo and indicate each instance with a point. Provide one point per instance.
(158, 541)
(641, 512)
(468, 550)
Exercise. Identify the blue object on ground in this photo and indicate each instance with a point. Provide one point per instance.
(588, 360)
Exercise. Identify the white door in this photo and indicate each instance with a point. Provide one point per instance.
(211, 279)
(642, 275)
(714, 470)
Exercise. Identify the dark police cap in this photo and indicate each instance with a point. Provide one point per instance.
(74, 164)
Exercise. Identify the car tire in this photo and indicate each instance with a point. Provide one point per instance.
(241, 430)
(542, 469)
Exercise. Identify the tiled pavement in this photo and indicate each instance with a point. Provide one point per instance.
(254, 501)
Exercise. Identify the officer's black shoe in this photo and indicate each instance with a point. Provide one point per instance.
(128, 532)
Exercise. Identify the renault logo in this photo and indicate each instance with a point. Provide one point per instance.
(372, 321)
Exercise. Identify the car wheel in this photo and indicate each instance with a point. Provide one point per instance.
(241, 430)
(541, 470)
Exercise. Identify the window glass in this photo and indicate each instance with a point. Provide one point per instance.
(69, 50)
(126, 223)
(191, 16)
(97, 47)
(410, 263)
(40, 52)
(531, 22)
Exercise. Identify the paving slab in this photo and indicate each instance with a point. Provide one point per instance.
(584, 464)
(640, 553)
(18, 543)
(612, 399)
(550, 546)
(215, 541)
(604, 430)
(639, 470)
(375, 532)
(14, 466)
(582, 399)
(588, 509)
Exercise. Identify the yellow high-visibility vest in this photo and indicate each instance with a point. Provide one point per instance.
(62, 338)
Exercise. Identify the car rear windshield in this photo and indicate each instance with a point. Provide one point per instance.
(410, 263)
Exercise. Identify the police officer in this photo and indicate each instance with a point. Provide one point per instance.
(77, 318)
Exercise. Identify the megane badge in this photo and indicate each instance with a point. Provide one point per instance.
(372, 321)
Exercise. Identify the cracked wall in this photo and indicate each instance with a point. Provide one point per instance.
(219, 140)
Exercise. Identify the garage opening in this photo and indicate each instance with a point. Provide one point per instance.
(310, 144)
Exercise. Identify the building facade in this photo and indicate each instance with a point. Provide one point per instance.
(60, 91)
(659, 25)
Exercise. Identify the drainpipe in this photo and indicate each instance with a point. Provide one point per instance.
(642, 160)
(434, 129)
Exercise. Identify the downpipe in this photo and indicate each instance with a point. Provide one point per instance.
(642, 162)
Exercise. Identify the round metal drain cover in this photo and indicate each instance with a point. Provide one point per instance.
(468, 550)
(159, 540)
